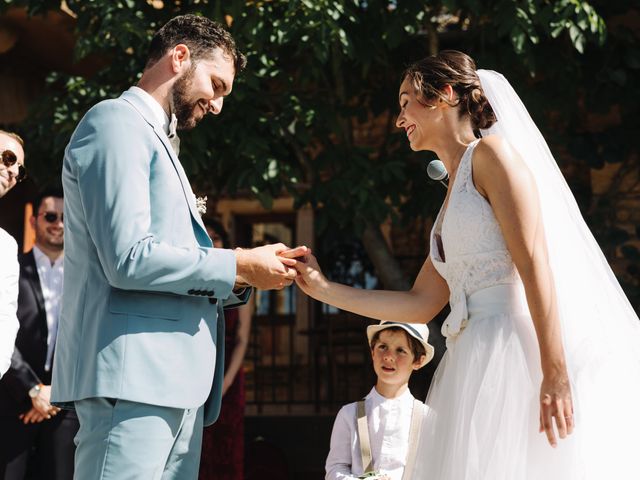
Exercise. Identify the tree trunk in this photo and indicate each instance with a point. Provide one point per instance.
(387, 267)
(434, 41)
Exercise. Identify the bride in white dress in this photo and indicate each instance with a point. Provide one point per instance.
(541, 378)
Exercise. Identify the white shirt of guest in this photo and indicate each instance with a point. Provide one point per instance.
(51, 276)
(389, 421)
(9, 275)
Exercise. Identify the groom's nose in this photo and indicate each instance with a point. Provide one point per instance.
(215, 105)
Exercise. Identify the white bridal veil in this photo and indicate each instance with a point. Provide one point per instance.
(601, 331)
(593, 307)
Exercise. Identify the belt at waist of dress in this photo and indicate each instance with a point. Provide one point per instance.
(494, 300)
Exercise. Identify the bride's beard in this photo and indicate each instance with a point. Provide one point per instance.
(183, 107)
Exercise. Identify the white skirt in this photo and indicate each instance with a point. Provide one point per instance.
(484, 405)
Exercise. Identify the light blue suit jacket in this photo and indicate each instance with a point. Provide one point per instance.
(136, 321)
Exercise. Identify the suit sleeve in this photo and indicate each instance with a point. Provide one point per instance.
(20, 377)
(109, 161)
(9, 274)
(339, 461)
(236, 300)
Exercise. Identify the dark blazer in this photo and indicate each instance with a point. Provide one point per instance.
(30, 354)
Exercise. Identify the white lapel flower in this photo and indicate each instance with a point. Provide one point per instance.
(201, 205)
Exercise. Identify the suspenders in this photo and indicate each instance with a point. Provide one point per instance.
(414, 437)
(363, 436)
(417, 415)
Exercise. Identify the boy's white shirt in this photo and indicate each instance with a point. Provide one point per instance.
(389, 423)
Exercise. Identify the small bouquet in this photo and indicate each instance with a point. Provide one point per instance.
(201, 205)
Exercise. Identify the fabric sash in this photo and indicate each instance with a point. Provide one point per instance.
(494, 300)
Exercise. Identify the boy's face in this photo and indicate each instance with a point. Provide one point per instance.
(393, 360)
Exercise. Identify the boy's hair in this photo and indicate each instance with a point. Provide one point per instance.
(417, 349)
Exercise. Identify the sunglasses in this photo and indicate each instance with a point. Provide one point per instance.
(9, 159)
(52, 217)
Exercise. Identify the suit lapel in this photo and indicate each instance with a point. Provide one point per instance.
(186, 186)
(196, 221)
(31, 274)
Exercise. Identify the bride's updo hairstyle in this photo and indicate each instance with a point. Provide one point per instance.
(430, 75)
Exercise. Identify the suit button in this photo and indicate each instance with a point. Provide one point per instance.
(191, 292)
(199, 292)
(211, 293)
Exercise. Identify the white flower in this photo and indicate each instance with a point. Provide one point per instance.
(201, 205)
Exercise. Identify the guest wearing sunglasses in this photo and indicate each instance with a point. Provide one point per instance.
(12, 169)
(38, 440)
(11, 172)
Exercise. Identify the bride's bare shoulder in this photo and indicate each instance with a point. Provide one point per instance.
(495, 160)
(493, 151)
(494, 146)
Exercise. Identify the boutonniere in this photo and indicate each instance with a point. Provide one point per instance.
(201, 205)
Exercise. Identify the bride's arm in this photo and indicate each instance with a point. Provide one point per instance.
(502, 177)
(424, 301)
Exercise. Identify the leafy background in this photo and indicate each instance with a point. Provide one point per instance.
(313, 116)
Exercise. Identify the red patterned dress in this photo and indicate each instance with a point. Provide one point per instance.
(223, 442)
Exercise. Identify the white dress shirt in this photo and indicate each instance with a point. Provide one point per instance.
(51, 276)
(389, 421)
(169, 125)
(9, 275)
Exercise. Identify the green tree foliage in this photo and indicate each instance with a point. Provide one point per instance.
(314, 114)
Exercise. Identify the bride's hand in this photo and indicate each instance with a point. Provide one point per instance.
(292, 254)
(310, 278)
(556, 402)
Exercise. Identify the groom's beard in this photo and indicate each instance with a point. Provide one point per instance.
(183, 107)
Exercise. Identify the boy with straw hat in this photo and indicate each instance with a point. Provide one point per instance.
(376, 438)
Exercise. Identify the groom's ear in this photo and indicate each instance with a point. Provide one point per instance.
(180, 58)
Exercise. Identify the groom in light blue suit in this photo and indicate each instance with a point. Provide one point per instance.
(140, 349)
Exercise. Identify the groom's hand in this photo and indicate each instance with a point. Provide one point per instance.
(263, 268)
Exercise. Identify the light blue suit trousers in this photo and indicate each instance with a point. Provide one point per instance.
(121, 440)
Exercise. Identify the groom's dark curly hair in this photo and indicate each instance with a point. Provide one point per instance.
(200, 34)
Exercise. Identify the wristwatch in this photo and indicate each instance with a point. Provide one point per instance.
(35, 390)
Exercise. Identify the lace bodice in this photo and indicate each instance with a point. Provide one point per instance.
(475, 254)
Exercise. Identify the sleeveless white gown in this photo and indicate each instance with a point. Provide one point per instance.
(484, 399)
